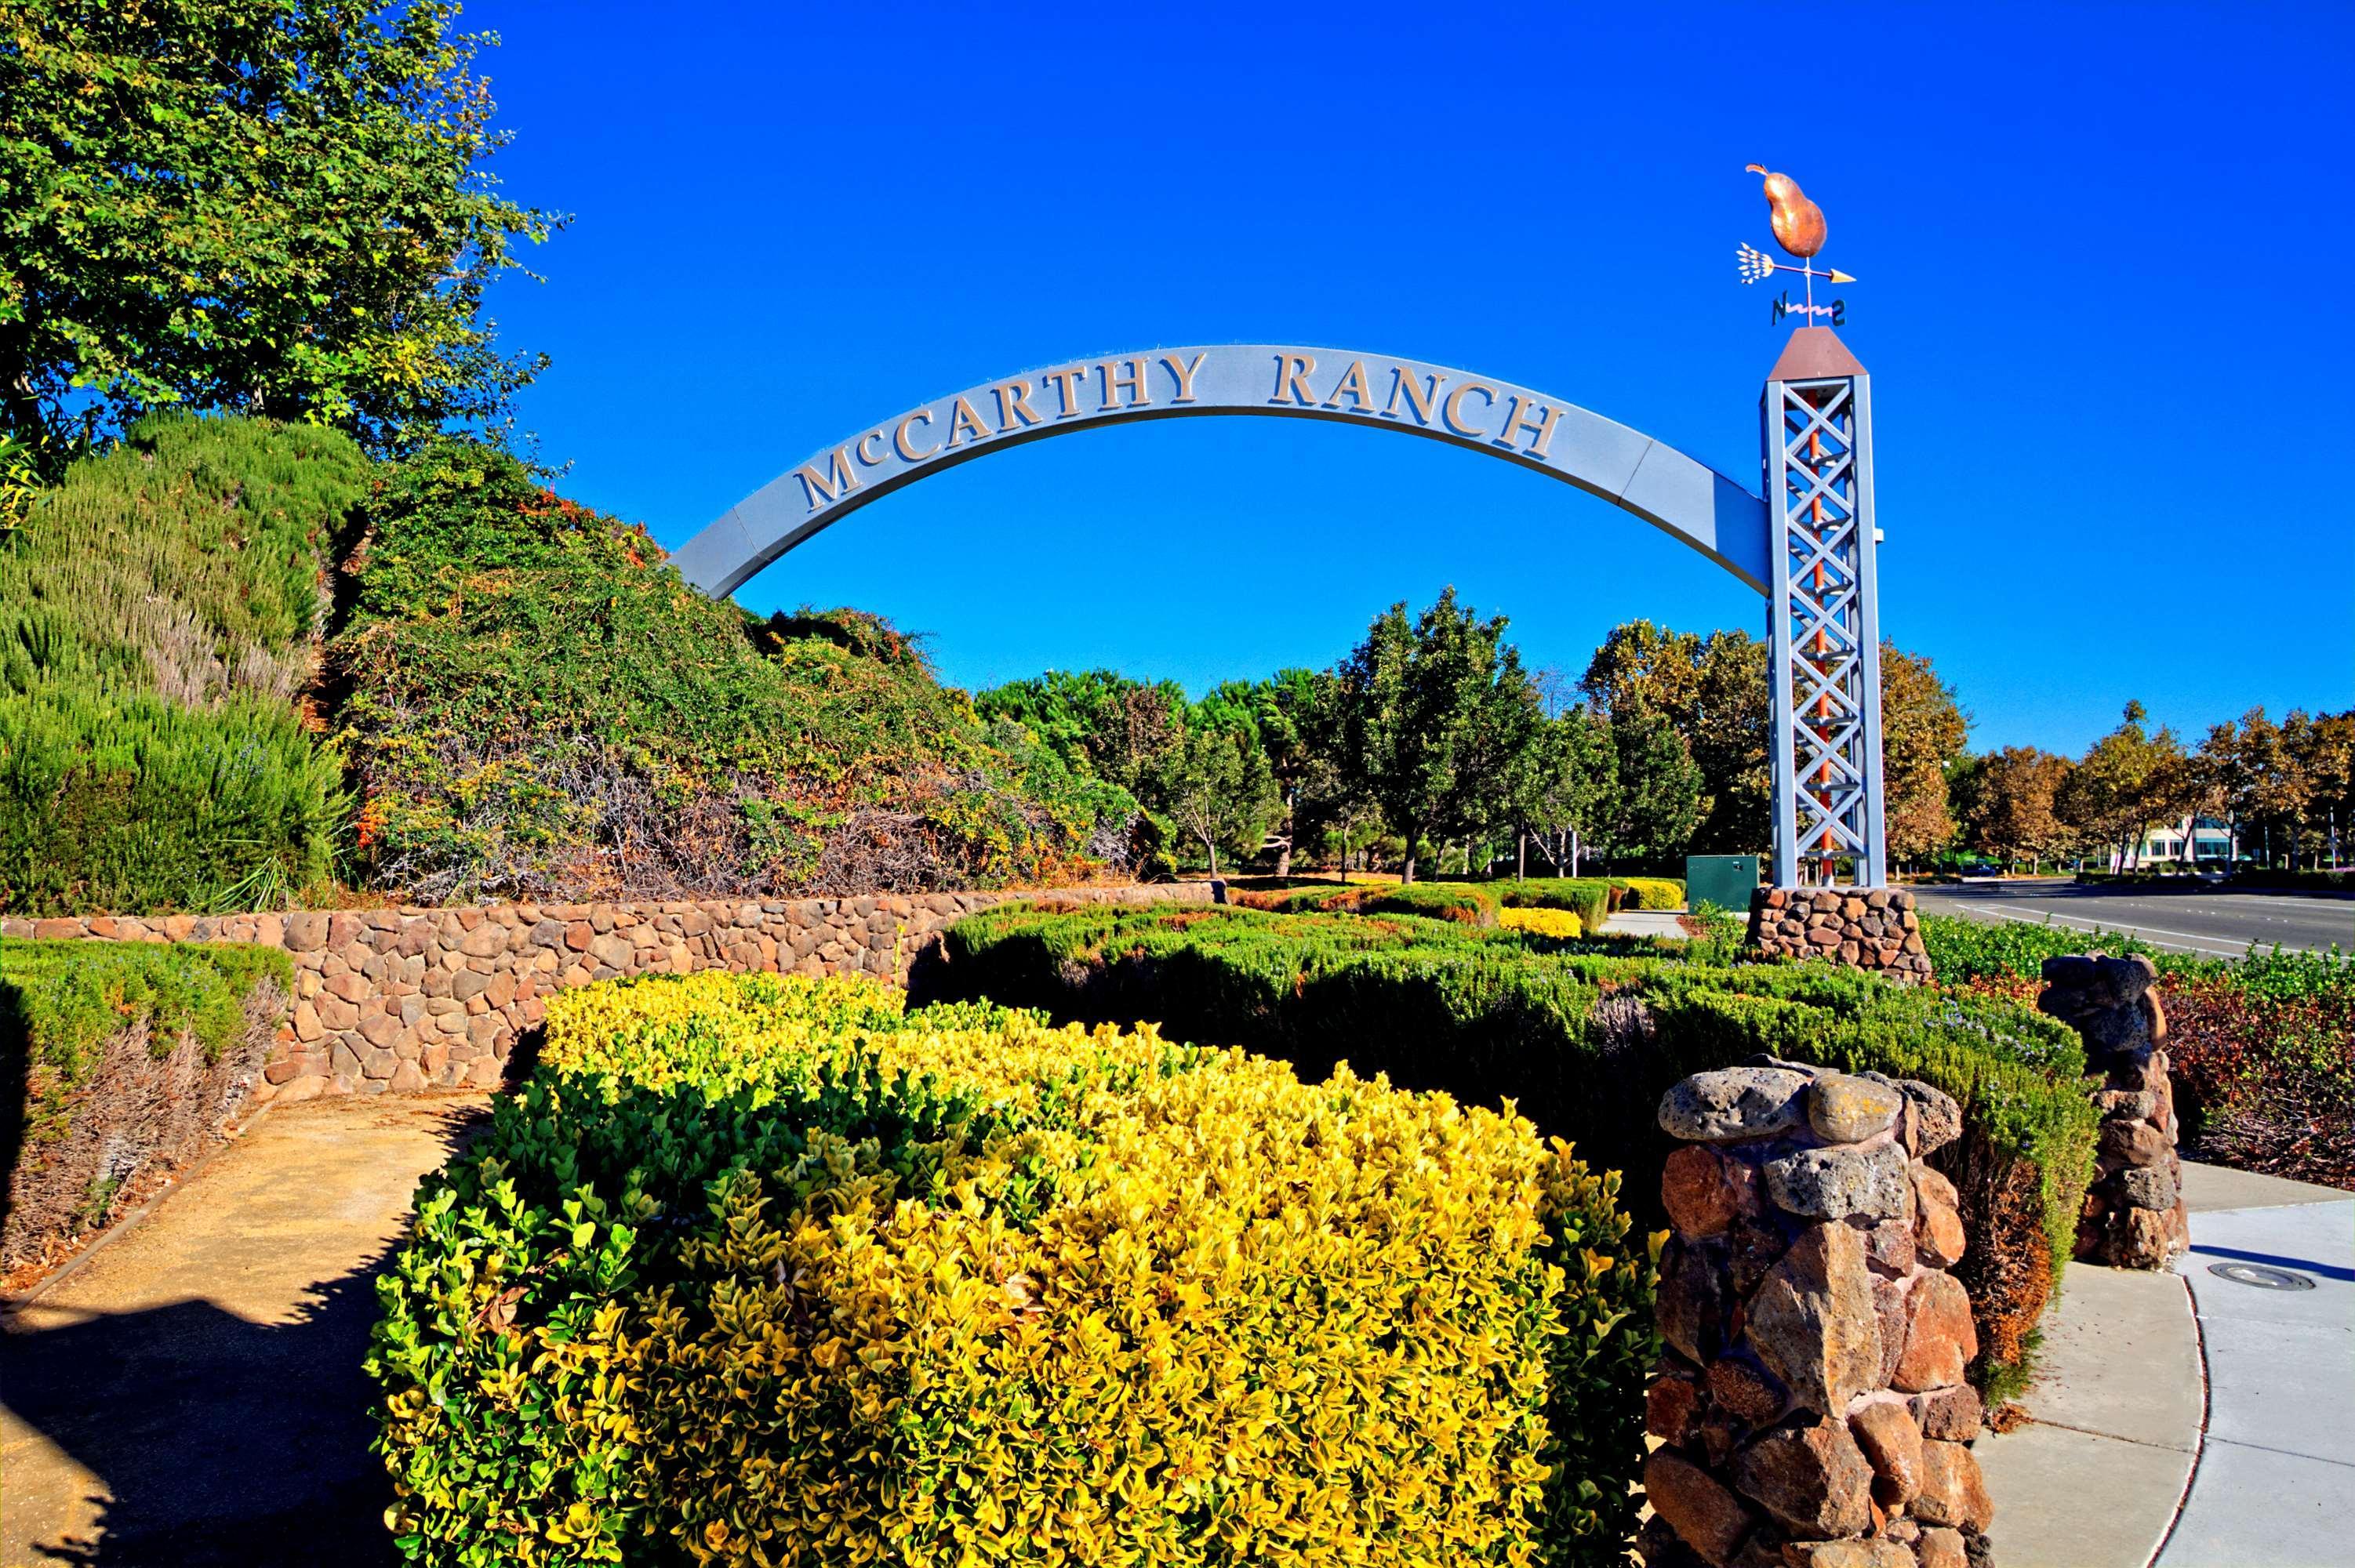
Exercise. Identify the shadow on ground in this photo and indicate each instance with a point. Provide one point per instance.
(220, 1441)
(217, 1440)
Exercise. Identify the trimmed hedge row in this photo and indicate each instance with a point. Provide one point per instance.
(1593, 899)
(60, 1001)
(1582, 1043)
(125, 1059)
(1590, 898)
(1560, 923)
(760, 1270)
(1464, 903)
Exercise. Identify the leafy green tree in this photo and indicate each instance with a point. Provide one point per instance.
(1659, 797)
(1103, 723)
(1563, 786)
(1293, 712)
(1712, 689)
(277, 206)
(1216, 784)
(1437, 711)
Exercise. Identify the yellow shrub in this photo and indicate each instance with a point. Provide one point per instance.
(1651, 892)
(1541, 922)
(958, 1286)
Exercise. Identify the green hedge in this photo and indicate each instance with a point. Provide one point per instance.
(1464, 903)
(755, 1270)
(59, 1000)
(1487, 1017)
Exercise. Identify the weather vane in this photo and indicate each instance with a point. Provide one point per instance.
(1799, 230)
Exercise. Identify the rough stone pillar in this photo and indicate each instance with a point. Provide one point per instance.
(1870, 928)
(2134, 1216)
(1809, 1401)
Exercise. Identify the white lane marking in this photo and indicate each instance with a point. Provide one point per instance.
(2125, 904)
(2211, 946)
(2288, 900)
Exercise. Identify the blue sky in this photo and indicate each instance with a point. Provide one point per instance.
(2103, 251)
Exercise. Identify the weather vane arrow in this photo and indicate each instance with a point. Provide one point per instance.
(1800, 231)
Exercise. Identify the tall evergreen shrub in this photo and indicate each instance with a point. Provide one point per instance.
(157, 612)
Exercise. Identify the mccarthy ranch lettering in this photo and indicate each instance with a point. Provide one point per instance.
(1469, 409)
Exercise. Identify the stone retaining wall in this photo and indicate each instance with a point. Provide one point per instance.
(1810, 1402)
(1870, 927)
(2134, 1215)
(401, 999)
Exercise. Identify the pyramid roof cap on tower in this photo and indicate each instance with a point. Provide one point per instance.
(1815, 354)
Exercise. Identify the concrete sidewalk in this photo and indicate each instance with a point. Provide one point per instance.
(2275, 1483)
(1646, 923)
(2093, 1478)
(2189, 1418)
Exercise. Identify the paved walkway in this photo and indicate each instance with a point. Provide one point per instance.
(1646, 923)
(190, 1394)
(2276, 1485)
(2190, 1419)
(2094, 1479)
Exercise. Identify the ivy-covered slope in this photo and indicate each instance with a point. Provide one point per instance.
(536, 704)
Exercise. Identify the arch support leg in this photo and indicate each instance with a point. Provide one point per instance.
(1823, 617)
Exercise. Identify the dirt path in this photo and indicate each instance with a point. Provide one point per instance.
(192, 1395)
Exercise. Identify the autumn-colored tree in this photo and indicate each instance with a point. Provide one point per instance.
(2010, 814)
(2330, 773)
(2127, 780)
(2286, 786)
(1922, 729)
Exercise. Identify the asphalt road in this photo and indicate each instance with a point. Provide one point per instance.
(2205, 921)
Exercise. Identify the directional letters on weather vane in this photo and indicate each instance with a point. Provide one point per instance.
(1800, 231)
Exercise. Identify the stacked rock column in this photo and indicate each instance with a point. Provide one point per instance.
(2133, 1215)
(1811, 1401)
(1873, 928)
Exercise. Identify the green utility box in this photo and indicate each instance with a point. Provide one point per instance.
(1724, 880)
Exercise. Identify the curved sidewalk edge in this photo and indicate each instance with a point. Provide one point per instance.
(2274, 1487)
(2189, 1419)
(2093, 1478)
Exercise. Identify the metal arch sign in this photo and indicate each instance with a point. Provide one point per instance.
(1656, 483)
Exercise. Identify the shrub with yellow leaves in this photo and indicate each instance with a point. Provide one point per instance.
(763, 1270)
(1557, 923)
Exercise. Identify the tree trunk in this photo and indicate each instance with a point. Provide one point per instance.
(1521, 854)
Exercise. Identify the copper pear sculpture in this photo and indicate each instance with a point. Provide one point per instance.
(1798, 222)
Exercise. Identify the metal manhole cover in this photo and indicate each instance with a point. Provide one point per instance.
(2261, 1277)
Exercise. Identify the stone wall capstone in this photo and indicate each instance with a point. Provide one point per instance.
(397, 1000)
(1870, 928)
(2134, 1215)
(1810, 1402)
